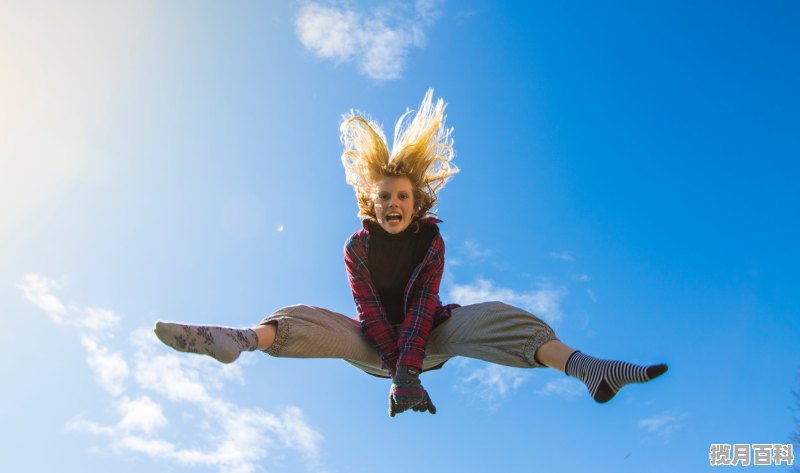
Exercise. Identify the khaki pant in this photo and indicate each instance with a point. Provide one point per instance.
(490, 331)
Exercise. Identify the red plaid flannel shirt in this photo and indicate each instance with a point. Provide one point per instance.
(423, 308)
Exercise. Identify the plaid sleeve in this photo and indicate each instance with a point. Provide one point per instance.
(423, 302)
(368, 304)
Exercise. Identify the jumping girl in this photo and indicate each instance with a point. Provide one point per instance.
(394, 265)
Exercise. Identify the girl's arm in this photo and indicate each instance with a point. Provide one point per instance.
(373, 320)
(422, 304)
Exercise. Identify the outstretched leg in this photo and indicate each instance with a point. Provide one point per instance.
(298, 331)
(603, 378)
(507, 335)
(224, 344)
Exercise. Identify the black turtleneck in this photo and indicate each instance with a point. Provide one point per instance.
(392, 259)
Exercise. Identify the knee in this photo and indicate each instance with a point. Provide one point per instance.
(293, 309)
(283, 313)
(510, 312)
(497, 306)
(488, 307)
(502, 307)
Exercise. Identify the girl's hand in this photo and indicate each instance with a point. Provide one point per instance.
(426, 405)
(407, 392)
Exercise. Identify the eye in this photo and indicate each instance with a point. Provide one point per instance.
(403, 196)
(383, 195)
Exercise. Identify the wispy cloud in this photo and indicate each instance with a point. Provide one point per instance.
(491, 383)
(39, 292)
(110, 369)
(379, 41)
(144, 379)
(663, 425)
(563, 255)
(474, 251)
(563, 387)
(141, 414)
(545, 301)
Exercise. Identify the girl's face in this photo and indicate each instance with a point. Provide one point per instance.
(394, 203)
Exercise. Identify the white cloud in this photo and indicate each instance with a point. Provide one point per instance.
(95, 318)
(235, 439)
(156, 448)
(545, 302)
(39, 291)
(327, 31)
(239, 438)
(379, 41)
(663, 425)
(243, 439)
(563, 255)
(297, 433)
(474, 251)
(564, 387)
(429, 10)
(142, 414)
(493, 382)
(171, 377)
(110, 369)
(82, 425)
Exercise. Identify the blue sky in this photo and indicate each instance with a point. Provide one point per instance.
(628, 172)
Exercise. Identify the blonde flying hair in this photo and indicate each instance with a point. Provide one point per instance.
(422, 151)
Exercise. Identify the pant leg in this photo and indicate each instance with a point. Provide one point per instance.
(489, 331)
(493, 332)
(312, 332)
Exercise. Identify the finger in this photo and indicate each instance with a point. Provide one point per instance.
(396, 407)
(429, 403)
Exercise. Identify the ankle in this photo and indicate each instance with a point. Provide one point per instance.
(266, 335)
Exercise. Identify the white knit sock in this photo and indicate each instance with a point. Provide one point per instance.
(222, 343)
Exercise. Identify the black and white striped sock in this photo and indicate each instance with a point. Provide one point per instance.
(223, 343)
(604, 378)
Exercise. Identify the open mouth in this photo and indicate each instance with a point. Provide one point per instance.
(393, 217)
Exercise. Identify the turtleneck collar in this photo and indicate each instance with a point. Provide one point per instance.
(368, 224)
(375, 230)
